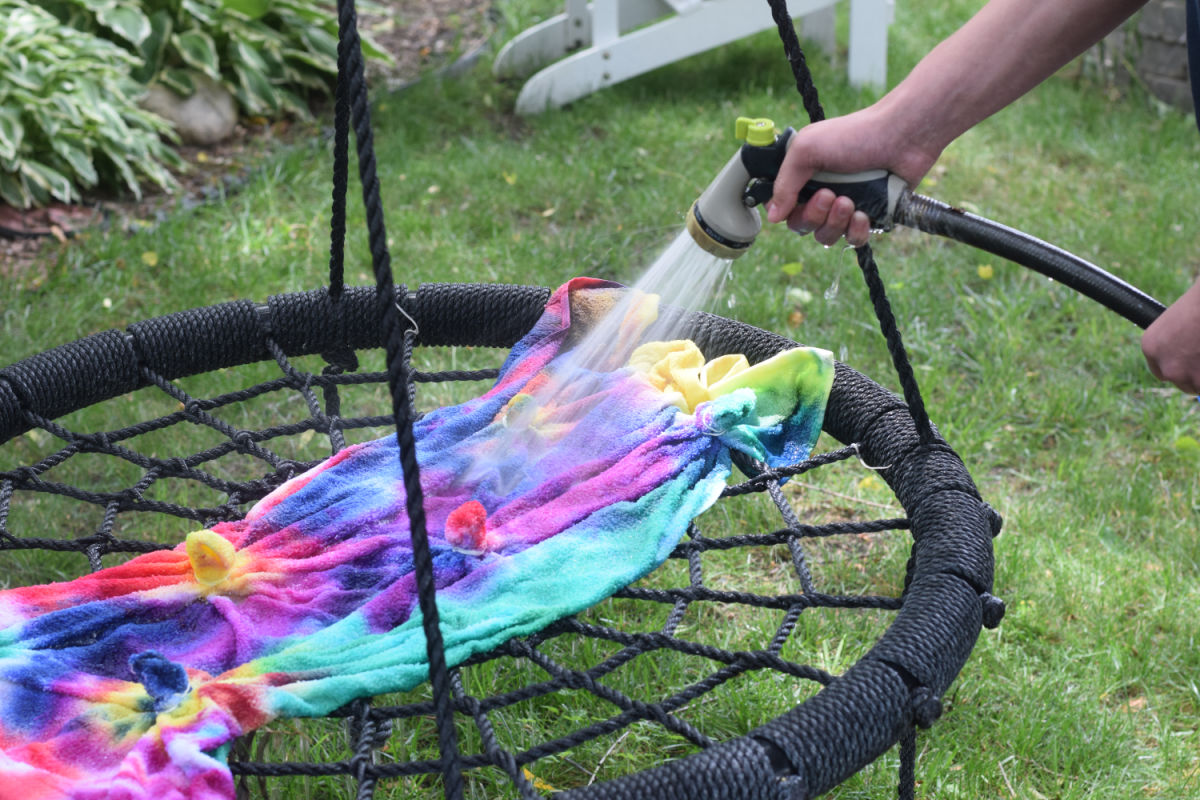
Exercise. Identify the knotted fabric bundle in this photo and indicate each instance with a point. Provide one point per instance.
(556, 488)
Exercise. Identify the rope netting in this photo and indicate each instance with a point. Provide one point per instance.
(785, 644)
(755, 618)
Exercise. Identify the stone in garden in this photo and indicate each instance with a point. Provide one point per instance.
(206, 117)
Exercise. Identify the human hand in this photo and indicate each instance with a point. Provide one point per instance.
(1172, 343)
(853, 143)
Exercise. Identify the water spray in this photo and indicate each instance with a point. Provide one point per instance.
(724, 221)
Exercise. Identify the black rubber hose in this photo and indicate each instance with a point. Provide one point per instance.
(938, 218)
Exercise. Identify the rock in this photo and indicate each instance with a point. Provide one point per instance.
(205, 118)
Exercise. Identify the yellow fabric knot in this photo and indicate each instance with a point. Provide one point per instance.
(212, 556)
(678, 369)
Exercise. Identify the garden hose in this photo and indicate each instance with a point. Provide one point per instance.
(933, 216)
(723, 220)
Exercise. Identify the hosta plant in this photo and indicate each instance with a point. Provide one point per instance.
(267, 52)
(68, 118)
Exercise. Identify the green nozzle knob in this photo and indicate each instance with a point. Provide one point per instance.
(756, 131)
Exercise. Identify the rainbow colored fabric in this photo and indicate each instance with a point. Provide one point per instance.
(132, 682)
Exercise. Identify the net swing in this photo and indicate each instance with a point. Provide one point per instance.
(264, 392)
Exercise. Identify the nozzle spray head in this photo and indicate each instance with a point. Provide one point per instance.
(723, 221)
(719, 221)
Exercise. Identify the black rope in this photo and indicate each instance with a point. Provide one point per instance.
(795, 57)
(895, 344)
(341, 165)
(498, 755)
(333, 406)
(866, 259)
(908, 764)
(367, 734)
(766, 477)
(891, 334)
(397, 340)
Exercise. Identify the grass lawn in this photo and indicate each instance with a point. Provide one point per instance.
(1091, 686)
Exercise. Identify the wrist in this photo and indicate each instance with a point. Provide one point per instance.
(916, 137)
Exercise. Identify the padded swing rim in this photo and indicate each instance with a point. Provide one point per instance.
(803, 753)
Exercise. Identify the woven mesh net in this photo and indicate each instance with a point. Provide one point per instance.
(774, 593)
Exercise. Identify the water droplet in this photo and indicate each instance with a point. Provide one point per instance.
(832, 292)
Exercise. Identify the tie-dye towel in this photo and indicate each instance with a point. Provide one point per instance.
(133, 681)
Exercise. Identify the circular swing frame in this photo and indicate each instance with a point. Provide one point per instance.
(849, 723)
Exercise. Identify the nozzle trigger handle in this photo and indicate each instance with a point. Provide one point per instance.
(874, 192)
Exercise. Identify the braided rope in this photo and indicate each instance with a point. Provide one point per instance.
(883, 313)
(866, 258)
(397, 345)
(341, 165)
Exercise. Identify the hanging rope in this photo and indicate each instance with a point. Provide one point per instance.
(341, 167)
(866, 258)
(795, 57)
(887, 325)
(352, 102)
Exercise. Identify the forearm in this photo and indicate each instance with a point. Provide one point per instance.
(1000, 54)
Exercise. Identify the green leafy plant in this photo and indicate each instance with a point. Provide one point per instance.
(267, 52)
(68, 118)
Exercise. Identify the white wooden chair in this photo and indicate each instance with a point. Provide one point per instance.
(604, 42)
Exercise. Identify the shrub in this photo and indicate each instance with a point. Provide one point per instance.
(67, 114)
(264, 51)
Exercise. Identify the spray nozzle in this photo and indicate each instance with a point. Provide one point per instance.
(723, 221)
(875, 192)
